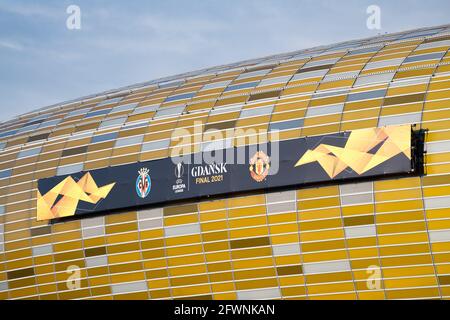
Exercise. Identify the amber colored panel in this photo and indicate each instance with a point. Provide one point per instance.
(246, 243)
(265, 95)
(357, 221)
(20, 273)
(254, 274)
(85, 127)
(124, 159)
(413, 293)
(233, 100)
(95, 251)
(248, 253)
(189, 208)
(311, 131)
(404, 99)
(293, 291)
(289, 270)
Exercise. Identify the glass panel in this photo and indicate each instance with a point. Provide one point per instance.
(92, 222)
(97, 113)
(366, 95)
(409, 82)
(285, 125)
(112, 122)
(169, 84)
(222, 110)
(256, 112)
(435, 44)
(281, 207)
(310, 74)
(96, 261)
(376, 78)
(438, 147)
(356, 199)
(320, 111)
(215, 85)
(410, 118)
(155, 145)
(93, 232)
(80, 136)
(2, 248)
(270, 81)
(77, 112)
(356, 188)
(439, 235)
(343, 75)
(5, 173)
(320, 63)
(42, 250)
(150, 224)
(253, 74)
(364, 50)
(260, 294)
(104, 137)
(242, 86)
(180, 97)
(145, 109)
(129, 141)
(422, 57)
(438, 202)
(182, 230)
(40, 117)
(164, 112)
(7, 133)
(73, 168)
(50, 123)
(360, 231)
(326, 267)
(3, 284)
(129, 287)
(29, 153)
(416, 34)
(283, 196)
(150, 214)
(108, 101)
(323, 94)
(134, 125)
(29, 128)
(384, 63)
(286, 249)
(124, 107)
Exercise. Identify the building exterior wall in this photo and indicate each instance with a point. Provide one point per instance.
(380, 239)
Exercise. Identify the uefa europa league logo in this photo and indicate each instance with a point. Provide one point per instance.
(179, 170)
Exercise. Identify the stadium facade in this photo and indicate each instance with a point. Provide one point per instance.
(346, 196)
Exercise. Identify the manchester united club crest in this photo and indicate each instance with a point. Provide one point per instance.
(259, 166)
(143, 183)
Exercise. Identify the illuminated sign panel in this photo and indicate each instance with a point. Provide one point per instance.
(334, 157)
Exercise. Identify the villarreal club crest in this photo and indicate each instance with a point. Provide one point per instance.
(143, 183)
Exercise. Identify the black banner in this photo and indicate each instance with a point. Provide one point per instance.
(335, 157)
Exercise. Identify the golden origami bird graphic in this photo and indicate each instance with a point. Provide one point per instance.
(72, 192)
(390, 141)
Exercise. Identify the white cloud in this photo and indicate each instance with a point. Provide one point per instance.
(30, 9)
(11, 45)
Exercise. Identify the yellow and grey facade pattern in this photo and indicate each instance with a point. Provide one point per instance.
(381, 239)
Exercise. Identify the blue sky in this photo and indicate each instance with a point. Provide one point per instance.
(126, 42)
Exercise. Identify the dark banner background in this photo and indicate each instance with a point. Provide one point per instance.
(236, 179)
